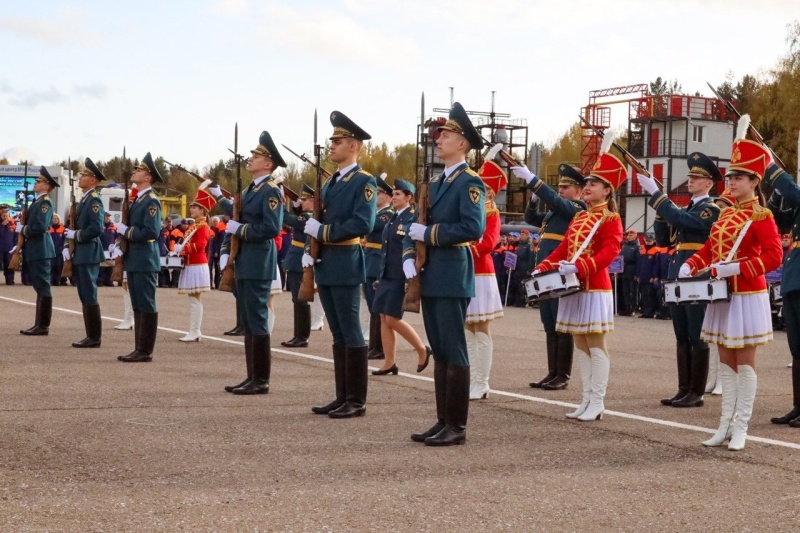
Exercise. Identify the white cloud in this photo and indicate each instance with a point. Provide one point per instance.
(33, 98)
(230, 8)
(64, 28)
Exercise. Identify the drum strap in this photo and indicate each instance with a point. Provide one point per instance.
(742, 233)
(586, 242)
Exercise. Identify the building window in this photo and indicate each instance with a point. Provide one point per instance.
(697, 134)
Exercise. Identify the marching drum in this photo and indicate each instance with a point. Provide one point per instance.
(551, 284)
(695, 291)
(172, 261)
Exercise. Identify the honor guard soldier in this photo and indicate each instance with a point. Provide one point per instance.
(142, 260)
(456, 217)
(688, 230)
(372, 263)
(293, 265)
(349, 200)
(255, 266)
(39, 250)
(562, 206)
(785, 203)
(88, 251)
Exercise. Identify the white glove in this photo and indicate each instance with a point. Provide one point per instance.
(777, 192)
(535, 273)
(726, 270)
(307, 261)
(116, 252)
(65, 254)
(312, 227)
(19, 228)
(177, 249)
(523, 173)
(409, 269)
(70, 233)
(11, 251)
(223, 261)
(121, 228)
(215, 191)
(279, 180)
(296, 203)
(648, 184)
(232, 226)
(567, 268)
(111, 247)
(685, 271)
(417, 232)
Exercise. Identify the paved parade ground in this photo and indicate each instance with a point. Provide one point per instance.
(92, 444)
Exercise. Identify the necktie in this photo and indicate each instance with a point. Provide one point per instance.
(333, 179)
(691, 203)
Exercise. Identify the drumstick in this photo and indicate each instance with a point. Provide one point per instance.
(706, 269)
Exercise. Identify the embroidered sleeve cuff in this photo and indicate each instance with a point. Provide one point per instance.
(432, 235)
(129, 234)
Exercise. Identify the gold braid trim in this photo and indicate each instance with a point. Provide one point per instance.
(761, 213)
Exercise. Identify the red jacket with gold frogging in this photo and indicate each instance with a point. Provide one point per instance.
(602, 250)
(761, 246)
(195, 249)
(482, 250)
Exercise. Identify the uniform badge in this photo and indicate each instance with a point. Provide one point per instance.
(475, 194)
(153, 210)
(705, 213)
(384, 218)
(96, 208)
(273, 203)
(44, 208)
(369, 193)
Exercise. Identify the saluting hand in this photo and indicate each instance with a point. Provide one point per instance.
(523, 173)
(215, 190)
(417, 232)
(648, 184)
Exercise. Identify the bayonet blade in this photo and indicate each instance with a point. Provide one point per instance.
(315, 127)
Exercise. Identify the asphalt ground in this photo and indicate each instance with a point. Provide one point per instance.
(91, 444)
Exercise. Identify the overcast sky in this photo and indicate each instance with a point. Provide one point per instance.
(84, 78)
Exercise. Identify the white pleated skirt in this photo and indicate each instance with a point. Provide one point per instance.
(586, 312)
(487, 304)
(744, 321)
(277, 284)
(194, 279)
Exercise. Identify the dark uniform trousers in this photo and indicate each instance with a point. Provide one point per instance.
(86, 276)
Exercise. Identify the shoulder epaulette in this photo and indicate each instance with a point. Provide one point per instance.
(761, 213)
(492, 212)
(362, 171)
(94, 195)
(610, 215)
(471, 172)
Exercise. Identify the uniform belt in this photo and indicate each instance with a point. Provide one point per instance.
(694, 246)
(351, 242)
(553, 237)
(374, 245)
(298, 244)
(795, 244)
(462, 244)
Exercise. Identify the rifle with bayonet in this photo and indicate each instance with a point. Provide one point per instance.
(66, 269)
(15, 263)
(411, 300)
(752, 132)
(119, 262)
(306, 292)
(227, 280)
(199, 178)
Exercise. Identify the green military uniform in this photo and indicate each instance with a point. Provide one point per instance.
(456, 216)
(786, 208)
(142, 263)
(688, 229)
(372, 262)
(293, 265)
(255, 266)
(37, 254)
(349, 200)
(552, 227)
(87, 256)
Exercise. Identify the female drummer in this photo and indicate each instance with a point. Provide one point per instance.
(388, 301)
(487, 304)
(739, 326)
(195, 278)
(589, 314)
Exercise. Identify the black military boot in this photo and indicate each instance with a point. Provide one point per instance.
(302, 326)
(248, 358)
(44, 313)
(699, 374)
(238, 329)
(355, 386)
(792, 417)
(375, 340)
(93, 324)
(440, 386)
(339, 375)
(682, 350)
(457, 408)
(146, 339)
(291, 341)
(563, 363)
(262, 366)
(552, 354)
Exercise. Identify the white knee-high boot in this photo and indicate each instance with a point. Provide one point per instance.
(748, 382)
(195, 319)
(601, 365)
(480, 366)
(730, 390)
(585, 366)
(472, 353)
(317, 315)
(713, 383)
(127, 319)
(270, 320)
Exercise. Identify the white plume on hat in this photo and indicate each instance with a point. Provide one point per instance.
(608, 140)
(742, 127)
(205, 184)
